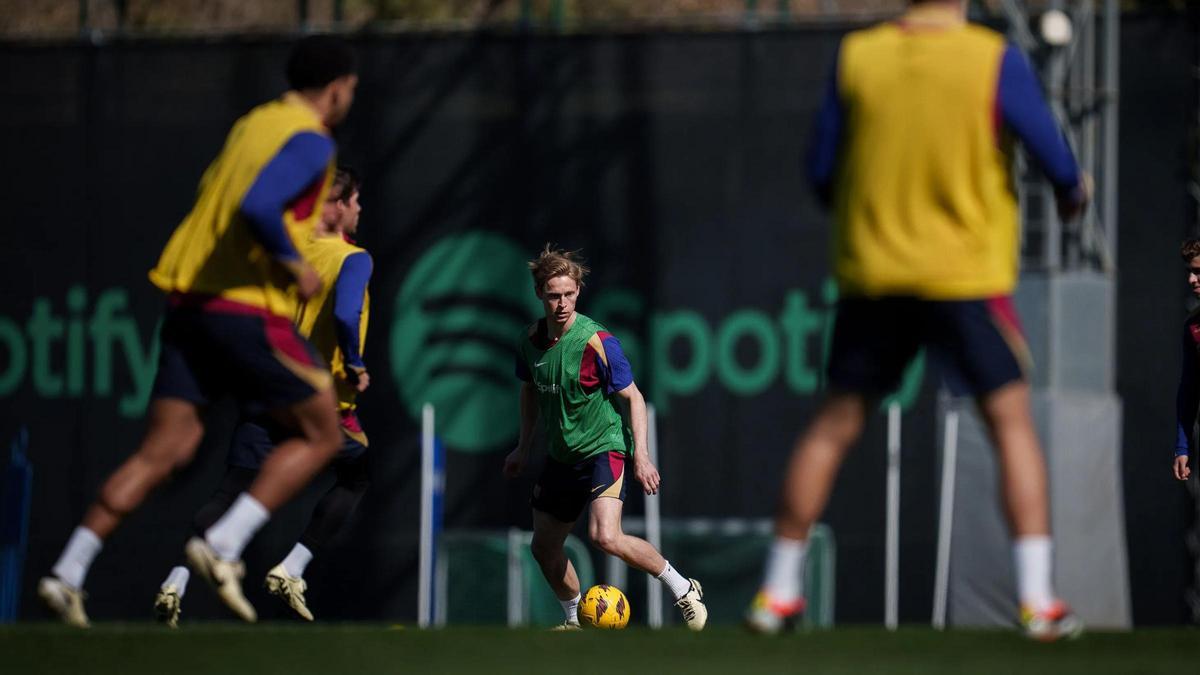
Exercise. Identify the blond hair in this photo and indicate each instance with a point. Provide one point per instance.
(1189, 249)
(553, 262)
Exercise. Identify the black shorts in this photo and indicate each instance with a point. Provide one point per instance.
(255, 438)
(564, 489)
(214, 347)
(978, 343)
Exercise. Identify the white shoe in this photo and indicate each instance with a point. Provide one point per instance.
(769, 617)
(567, 625)
(167, 606)
(1053, 623)
(695, 614)
(289, 589)
(64, 601)
(225, 576)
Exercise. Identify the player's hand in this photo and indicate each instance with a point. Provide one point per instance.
(1182, 470)
(308, 284)
(647, 475)
(358, 378)
(1072, 204)
(307, 281)
(514, 464)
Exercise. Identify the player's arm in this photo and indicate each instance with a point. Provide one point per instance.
(516, 460)
(1024, 111)
(616, 376)
(1187, 397)
(826, 142)
(348, 293)
(643, 469)
(292, 173)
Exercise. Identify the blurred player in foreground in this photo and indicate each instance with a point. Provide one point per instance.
(574, 375)
(913, 149)
(1187, 397)
(232, 271)
(335, 320)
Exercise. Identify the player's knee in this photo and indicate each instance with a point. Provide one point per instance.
(326, 439)
(543, 551)
(169, 449)
(607, 540)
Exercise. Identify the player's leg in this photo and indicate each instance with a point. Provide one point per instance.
(983, 340)
(865, 362)
(278, 371)
(549, 535)
(604, 529)
(558, 498)
(330, 516)
(168, 600)
(171, 438)
(815, 461)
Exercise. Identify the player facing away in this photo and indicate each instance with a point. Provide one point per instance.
(914, 148)
(1187, 397)
(232, 272)
(575, 377)
(335, 321)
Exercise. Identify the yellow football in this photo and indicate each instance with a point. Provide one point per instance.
(604, 606)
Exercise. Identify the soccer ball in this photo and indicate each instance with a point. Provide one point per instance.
(604, 606)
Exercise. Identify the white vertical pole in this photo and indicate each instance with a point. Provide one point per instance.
(516, 582)
(941, 583)
(441, 591)
(425, 561)
(654, 599)
(891, 601)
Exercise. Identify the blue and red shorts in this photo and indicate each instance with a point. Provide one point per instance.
(256, 437)
(563, 490)
(213, 347)
(978, 344)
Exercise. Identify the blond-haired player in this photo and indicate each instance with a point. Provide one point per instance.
(576, 378)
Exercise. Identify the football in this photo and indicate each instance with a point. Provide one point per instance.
(604, 606)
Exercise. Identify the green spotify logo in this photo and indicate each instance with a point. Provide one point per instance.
(457, 320)
(463, 307)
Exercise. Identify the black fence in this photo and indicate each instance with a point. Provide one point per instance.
(672, 159)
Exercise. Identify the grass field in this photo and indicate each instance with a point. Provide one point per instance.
(361, 649)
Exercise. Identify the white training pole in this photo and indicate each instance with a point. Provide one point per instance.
(891, 601)
(425, 561)
(517, 542)
(654, 599)
(616, 572)
(941, 583)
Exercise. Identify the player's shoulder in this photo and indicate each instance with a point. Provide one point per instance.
(985, 37)
(530, 332)
(591, 326)
(1192, 318)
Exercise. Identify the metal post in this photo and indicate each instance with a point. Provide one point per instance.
(425, 561)
(941, 582)
(654, 599)
(892, 566)
(516, 580)
(1111, 84)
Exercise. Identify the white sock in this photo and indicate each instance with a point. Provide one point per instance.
(179, 579)
(229, 535)
(297, 560)
(76, 559)
(784, 581)
(674, 581)
(1032, 555)
(571, 608)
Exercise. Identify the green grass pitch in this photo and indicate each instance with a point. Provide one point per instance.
(362, 649)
